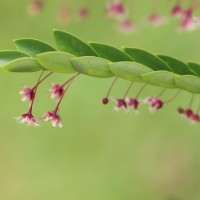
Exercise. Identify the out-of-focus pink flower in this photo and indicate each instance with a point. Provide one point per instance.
(35, 7)
(83, 14)
(64, 15)
(116, 10)
(127, 27)
(177, 11)
(156, 20)
(188, 24)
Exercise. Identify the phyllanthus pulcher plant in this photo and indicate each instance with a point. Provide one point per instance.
(73, 56)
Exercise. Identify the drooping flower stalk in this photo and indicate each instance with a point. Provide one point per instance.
(29, 93)
(28, 117)
(173, 97)
(53, 116)
(121, 103)
(155, 19)
(161, 93)
(106, 99)
(70, 81)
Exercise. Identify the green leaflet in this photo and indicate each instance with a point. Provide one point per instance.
(32, 47)
(145, 58)
(68, 43)
(92, 66)
(7, 56)
(189, 83)
(58, 62)
(23, 65)
(100, 60)
(130, 71)
(195, 67)
(110, 53)
(160, 78)
(176, 65)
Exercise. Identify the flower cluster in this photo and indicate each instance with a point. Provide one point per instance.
(188, 21)
(154, 103)
(122, 12)
(189, 114)
(117, 10)
(56, 92)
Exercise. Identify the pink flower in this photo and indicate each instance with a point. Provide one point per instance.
(195, 118)
(28, 94)
(64, 15)
(105, 101)
(55, 119)
(121, 103)
(35, 7)
(28, 118)
(188, 24)
(116, 9)
(127, 27)
(176, 11)
(155, 103)
(56, 91)
(187, 13)
(188, 113)
(83, 13)
(156, 20)
(133, 103)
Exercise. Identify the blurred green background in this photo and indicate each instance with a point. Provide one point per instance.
(99, 154)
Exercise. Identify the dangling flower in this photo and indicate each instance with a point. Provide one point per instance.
(64, 15)
(127, 27)
(177, 11)
(195, 118)
(156, 20)
(188, 24)
(105, 101)
(28, 118)
(56, 91)
(116, 9)
(188, 21)
(83, 14)
(155, 103)
(55, 119)
(35, 7)
(188, 113)
(181, 110)
(28, 94)
(134, 103)
(121, 103)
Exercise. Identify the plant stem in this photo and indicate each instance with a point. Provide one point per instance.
(111, 87)
(128, 90)
(172, 98)
(140, 91)
(70, 81)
